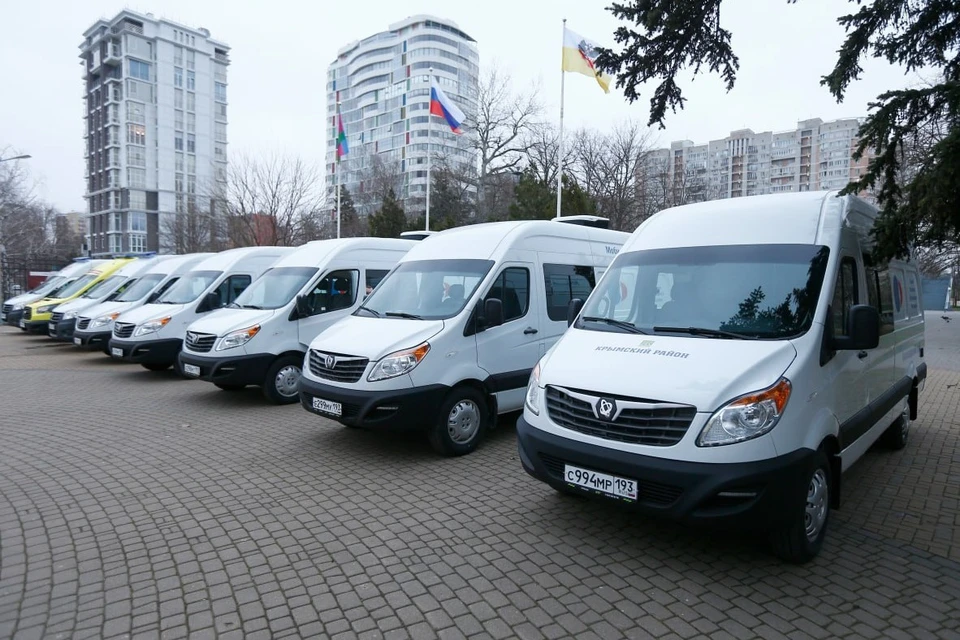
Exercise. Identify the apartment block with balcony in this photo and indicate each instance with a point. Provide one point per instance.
(815, 156)
(382, 84)
(155, 132)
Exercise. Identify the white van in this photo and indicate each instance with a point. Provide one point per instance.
(448, 339)
(63, 320)
(152, 335)
(736, 358)
(262, 337)
(95, 325)
(12, 309)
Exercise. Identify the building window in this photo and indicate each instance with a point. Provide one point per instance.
(191, 164)
(178, 120)
(138, 200)
(135, 112)
(136, 134)
(138, 242)
(191, 81)
(179, 166)
(220, 91)
(116, 244)
(191, 184)
(191, 143)
(136, 156)
(116, 200)
(178, 56)
(220, 152)
(177, 77)
(136, 178)
(221, 110)
(178, 98)
(178, 141)
(220, 132)
(139, 70)
(191, 122)
(178, 183)
(191, 58)
(138, 221)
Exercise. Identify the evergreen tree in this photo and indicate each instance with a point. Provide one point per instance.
(350, 224)
(390, 221)
(533, 199)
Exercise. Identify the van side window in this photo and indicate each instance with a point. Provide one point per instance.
(232, 287)
(169, 283)
(336, 290)
(512, 288)
(913, 296)
(374, 276)
(844, 295)
(886, 300)
(898, 288)
(563, 283)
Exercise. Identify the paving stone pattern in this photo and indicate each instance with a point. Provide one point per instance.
(140, 505)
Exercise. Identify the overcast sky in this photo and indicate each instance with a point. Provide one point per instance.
(281, 49)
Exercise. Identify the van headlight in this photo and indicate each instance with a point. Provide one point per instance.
(103, 320)
(152, 326)
(534, 391)
(398, 363)
(18, 307)
(69, 315)
(46, 308)
(746, 417)
(238, 338)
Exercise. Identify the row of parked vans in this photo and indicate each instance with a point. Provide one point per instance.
(723, 365)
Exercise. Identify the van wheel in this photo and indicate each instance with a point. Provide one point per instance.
(229, 387)
(895, 437)
(461, 422)
(155, 366)
(801, 540)
(282, 382)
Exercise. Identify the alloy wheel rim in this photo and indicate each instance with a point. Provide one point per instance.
(287, 381)
(905, 422)
(817, 506)
(463, 421)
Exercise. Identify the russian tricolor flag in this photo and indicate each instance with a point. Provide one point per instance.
(440, 105)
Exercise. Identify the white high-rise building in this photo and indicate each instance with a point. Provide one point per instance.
(383, 86)
(155, 130)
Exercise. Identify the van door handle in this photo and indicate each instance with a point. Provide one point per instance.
(862, 355)
(529, 330)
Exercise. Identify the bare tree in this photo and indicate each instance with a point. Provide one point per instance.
(499, 134)
(380, 175)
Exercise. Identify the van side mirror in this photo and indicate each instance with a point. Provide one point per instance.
(492, 313)
(573, 310)
(863, 329)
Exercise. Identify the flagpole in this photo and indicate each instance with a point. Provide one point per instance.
(429, 131)
(336, 152)
(563, 76)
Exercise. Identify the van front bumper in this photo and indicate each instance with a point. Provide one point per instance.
(12, 318)
(239, 370)
(63, 330)
(92, 341)
(743, 495)
(398, 409)
(146, 351)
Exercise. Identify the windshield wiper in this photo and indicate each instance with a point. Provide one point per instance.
(376, 314)
(251, 306)
(402, 314)
(627, 326)
(701, 331)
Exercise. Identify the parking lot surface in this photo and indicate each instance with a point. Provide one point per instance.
(136, 504)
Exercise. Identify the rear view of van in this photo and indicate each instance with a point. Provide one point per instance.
(737, 357)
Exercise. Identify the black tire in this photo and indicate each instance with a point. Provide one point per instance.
(155, 366)
(461, 422)
(229, 387)
(896, 435)
(800, 541)
(282, 382)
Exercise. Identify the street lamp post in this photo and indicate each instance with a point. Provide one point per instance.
(3, 247)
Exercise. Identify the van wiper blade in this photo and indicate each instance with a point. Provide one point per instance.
(251, 306)
(376, 314)
(626, 326)
(402, 314)
(701, 331)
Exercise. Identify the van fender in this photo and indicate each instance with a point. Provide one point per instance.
(824, 433)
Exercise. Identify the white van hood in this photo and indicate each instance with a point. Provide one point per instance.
(106, 308)
(76, 305)
(223, 321)
(23, 298)
(703, 372)
(151, 312)
(374, 338)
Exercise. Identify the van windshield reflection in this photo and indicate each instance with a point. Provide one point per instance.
(733, 291)
(426, 289)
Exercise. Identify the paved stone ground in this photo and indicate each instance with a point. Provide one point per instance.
(136, 504)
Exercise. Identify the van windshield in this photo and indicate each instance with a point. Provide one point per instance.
(141, 287)
(736, 291)
(189, 287)
(77, 285)
(275, 288)
(103, 287)
(426, 289)
(49, 285)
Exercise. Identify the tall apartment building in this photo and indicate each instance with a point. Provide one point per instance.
(815, 156)
(155, 130)
(383, 86)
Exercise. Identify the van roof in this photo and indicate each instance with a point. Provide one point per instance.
(789, 218)
(314, 253)
(227, 259)
(177, 264)
(490, 240)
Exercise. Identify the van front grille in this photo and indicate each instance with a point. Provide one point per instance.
(56, 317)
(123, 329)
(200, 342)
(83, 323)
(7, 308)
(337, 366)
(633, 421)
(27, 313)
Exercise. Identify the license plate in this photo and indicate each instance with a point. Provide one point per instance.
(77, 341)
(604, 483)
(325, 406)
(52, 326)
(191, 370)
(23, 324)
(116, 352)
